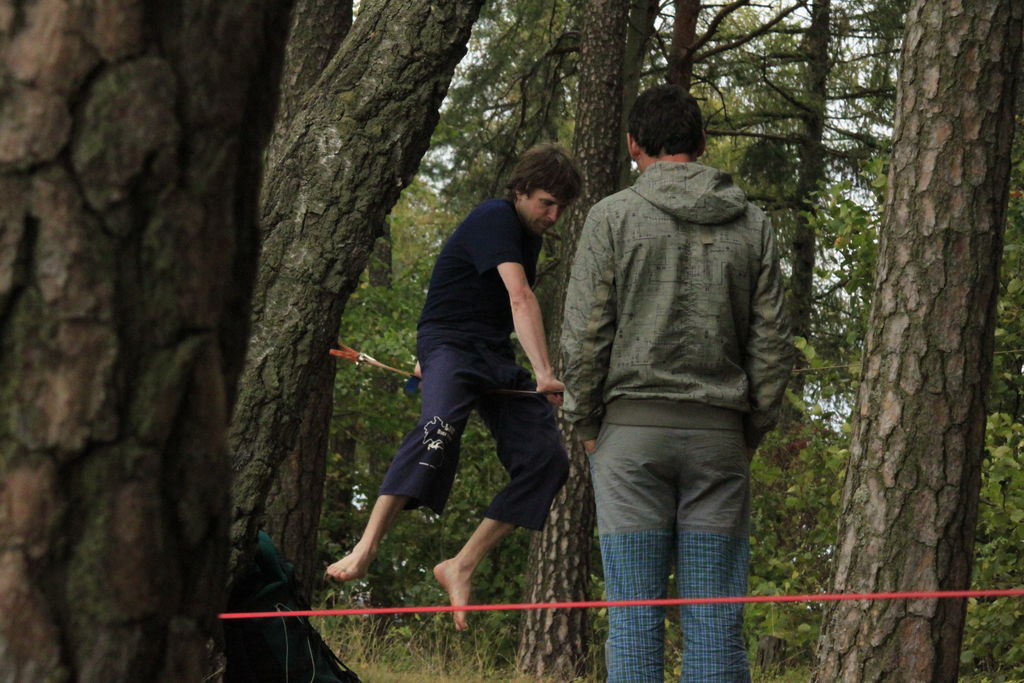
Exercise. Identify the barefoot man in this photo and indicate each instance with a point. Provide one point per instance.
(480, 291)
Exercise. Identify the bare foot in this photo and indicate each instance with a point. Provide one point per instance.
(456, 583)
(353, 566)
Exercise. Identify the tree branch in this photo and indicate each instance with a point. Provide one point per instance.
(716, 21)
(741, 40)
(753, 134)
(862, 138)
(782, 93)
(867, 92)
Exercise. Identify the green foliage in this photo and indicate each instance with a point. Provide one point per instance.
(992, 640)
(514, 90)
(757, 96)
(797, 477)
(1007, 394)
(845, 222)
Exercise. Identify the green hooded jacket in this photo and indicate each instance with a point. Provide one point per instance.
(674, 314)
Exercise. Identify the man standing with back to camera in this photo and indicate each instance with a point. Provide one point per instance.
(676, 354)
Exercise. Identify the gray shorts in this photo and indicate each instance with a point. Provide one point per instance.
(667, 478)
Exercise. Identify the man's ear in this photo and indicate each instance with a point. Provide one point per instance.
(634, 148)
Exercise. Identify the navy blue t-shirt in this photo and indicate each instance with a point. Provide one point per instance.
(466, 294)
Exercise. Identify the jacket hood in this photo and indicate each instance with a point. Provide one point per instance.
(691, 192)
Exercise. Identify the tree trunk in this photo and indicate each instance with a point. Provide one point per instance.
(911, 494)
(684, 37)
(641, 28)
(130, 142)
(811, 153)
(318, 28)
(296, 495)
(555, 643)
(294, 501)
(351, 149)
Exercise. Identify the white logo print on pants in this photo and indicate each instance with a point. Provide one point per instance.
(437, 435)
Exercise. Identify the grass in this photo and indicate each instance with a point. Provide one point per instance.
(423, 649)
(380, 673)
(429, 650)
(377, 674)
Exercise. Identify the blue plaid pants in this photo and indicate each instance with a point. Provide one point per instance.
(657, 490)
(636, 567)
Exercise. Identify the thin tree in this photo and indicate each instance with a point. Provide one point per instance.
(348, 153)
(555, 643)
(811, 167)
(684, 39)
(131, 137)
(811, 153)
(910, 500)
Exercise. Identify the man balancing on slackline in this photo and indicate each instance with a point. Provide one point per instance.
(480, 290)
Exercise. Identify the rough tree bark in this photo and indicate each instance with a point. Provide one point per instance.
(294, 501)
(555, 643)
(349, 152)
(911, 494)
(318, 28)
(130, 141)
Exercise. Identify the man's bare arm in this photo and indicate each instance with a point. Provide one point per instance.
(529, 325)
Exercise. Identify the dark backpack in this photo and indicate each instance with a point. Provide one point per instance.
(275, 650)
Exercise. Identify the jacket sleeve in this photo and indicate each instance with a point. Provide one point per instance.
(769, 350)
(588, 326)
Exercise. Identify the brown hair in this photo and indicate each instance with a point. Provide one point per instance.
(547, 167)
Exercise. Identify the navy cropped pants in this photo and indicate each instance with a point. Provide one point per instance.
(458, 376)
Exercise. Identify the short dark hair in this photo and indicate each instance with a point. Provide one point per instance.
(665, 120)
(547, 167)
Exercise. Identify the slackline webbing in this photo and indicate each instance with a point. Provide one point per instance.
(666, 602)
